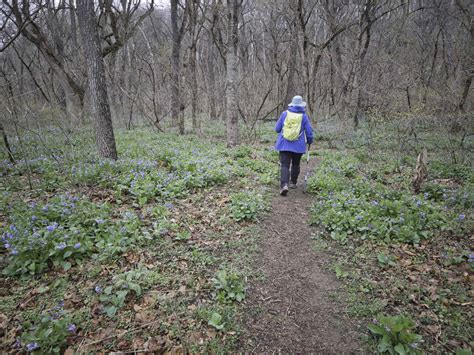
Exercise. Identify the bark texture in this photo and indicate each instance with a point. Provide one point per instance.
(233, 8)
(100, 107)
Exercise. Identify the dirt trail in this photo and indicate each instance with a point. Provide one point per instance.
(293, 309)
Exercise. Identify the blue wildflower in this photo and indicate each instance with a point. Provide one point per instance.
(461, 217)
(71, 328)
(169, 205)
(99, 221)
(358, 218)
(6, 245)
(52, 227)
(14, 252)
(32, 346)
(418, 203)
(426, 195)
(45, 208)
(375, 203)
(34, 218)
(471, 258)
(98, 289)
(422, 215)
(77, 245)
(61, 246)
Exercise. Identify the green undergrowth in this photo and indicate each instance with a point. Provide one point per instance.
(150, 252)
(406, 259)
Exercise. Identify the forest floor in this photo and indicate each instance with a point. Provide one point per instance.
(292, 307)
(184, 246)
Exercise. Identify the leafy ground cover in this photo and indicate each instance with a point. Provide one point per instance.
(146, 253)
(406, 259)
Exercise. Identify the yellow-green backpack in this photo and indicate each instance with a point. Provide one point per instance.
(292, 126)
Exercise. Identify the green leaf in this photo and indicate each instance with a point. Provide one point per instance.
(66, 266)
(376, 329)
(110, 311)
(216, 321)
(463, 352)
(400, 349)
(67, 254)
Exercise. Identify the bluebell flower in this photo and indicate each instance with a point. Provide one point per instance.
(6, 245)
(461, 217)
(34, 218)
(98, 289)
(375, 202)
(52, 227)
(14, 252)
(32, 346)
(61, 246)
(77, 245)
(99, 221)
(71, 328)
(45, 208)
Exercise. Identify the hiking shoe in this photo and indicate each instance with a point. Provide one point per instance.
(292, 185)
(284, 190)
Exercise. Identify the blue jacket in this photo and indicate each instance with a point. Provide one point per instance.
(298, 146)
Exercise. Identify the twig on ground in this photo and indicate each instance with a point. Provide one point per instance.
(121, 334)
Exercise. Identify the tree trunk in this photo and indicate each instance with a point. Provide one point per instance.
(292, 85)
(176, 115)
(212, 79)
(233, 8)
(366, 20)
(100, 107)
(7, 145)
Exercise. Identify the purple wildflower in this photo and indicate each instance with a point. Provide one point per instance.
(461, 217)
(52, 227)
(77, 245)
(99, 221)
(71, 328)
(98, 289)
(358, 218)
(32, 346)
(61, 246)
(14, 252)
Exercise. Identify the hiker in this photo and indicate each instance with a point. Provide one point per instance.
(294, 132)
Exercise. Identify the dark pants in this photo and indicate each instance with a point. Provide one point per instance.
(287, 158)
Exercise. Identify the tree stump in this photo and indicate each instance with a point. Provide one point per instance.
(421, 171)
